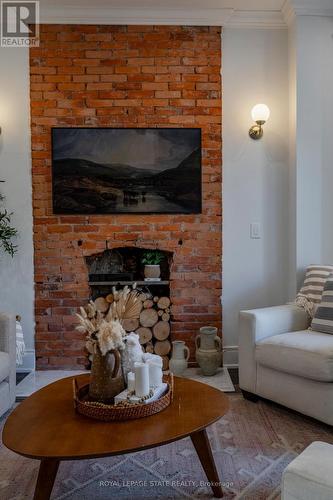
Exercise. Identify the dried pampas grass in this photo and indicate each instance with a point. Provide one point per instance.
(104, 327)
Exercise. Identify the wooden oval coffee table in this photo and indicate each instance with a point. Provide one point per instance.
(46, 427)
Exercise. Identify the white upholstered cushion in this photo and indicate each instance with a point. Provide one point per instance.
(4, 365)
(305, 353)
(309, 476)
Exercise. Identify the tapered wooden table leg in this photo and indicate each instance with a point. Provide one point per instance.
(201, 444)
(46, 476)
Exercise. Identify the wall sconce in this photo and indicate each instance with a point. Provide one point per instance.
(260, 114)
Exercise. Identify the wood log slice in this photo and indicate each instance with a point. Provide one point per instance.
(160, 312)
(149, 347)
(163, 302)
(143, 297)
(165, 360)
(109, 298)
(162, 348)
(156, 299)
(167, 309)
(145, 335)
(161, 330)
(165, 316)
(148, 304)
(148, 317)
(130, 325)
(101, 304)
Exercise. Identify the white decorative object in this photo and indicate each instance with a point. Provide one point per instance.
(131, 354)
(155, 374)
(20, 345)
(131, 381)
(121, 397)
(155, 358)
(179, 357)
(157, 394)
(141, 371)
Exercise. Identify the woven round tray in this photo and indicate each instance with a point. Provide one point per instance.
(121, 411)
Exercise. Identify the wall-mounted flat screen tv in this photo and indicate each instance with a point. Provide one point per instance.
(126, 170)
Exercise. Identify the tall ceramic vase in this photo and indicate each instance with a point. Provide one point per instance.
(208, 350)
(179, 357)
(106, 378)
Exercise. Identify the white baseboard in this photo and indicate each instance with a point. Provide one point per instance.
(230, 356)
(29, 363)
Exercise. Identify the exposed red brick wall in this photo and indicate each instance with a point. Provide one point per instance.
(135, 76)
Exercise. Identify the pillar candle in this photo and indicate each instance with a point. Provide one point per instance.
(155, 374)
(141, 371)
(131, 381)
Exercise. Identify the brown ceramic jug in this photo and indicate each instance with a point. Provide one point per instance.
(106, 378)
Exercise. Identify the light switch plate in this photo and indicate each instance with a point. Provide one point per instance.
(255, 231)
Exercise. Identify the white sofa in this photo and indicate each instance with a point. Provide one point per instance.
(280, 360)
(7, 362)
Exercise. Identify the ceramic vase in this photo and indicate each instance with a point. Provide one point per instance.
(152, 271)
(179, 357)
(208, 350)
(106, 378)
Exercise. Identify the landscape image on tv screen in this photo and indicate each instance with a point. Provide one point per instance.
(110, 170)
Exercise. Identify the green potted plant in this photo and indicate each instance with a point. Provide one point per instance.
(151, 259)
(7, 232)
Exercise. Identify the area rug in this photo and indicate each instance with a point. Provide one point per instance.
(252, 445)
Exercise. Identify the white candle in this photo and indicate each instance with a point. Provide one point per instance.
(141, 371)
(155, 374)
(131, 381)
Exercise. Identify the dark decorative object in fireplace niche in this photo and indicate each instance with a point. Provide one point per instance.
(126, 170)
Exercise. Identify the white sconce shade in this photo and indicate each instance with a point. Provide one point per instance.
(260, 112)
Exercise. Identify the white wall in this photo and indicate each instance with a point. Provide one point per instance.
(16, 275)
(311, 82)
(326, 31)
(255, 175)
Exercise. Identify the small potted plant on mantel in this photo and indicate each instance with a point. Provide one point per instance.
(151, 260)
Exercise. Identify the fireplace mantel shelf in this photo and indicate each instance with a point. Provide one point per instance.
(114, 283)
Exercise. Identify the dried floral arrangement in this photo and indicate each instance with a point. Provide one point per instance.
(102, 319)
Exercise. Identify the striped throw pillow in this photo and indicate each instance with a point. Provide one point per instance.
(310, 294)
(323, 318)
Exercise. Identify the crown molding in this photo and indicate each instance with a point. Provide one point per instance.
(317, 8)
(142, 16)
(54, 14)
(288, 12)
(256, 19)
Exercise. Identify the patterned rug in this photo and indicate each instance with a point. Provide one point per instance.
(252, 445)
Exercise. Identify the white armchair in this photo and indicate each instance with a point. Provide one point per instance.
(7, 362)
(280, 360)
